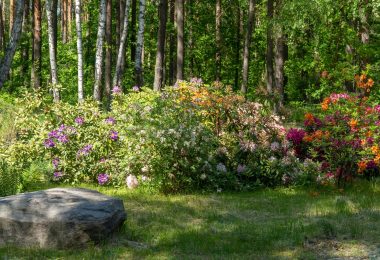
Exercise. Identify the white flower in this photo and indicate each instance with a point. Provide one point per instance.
(144, 178)
(145, 169)
(275, 146)
(218, 190)
(203, 176)
(132, 182)
(221, 167)
(272, 159)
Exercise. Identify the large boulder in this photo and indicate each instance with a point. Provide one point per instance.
(59, 218)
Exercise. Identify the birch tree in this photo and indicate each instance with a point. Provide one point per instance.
(247, 44)
(52, 54)
(121, 52)
(108, 61)
(37, 45)
(78, 24)
(6, 62)
(99, 51)
(218, 39)
(140, 43)
(160, 56)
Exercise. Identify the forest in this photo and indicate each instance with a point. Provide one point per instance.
(223, 128)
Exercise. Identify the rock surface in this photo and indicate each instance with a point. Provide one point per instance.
(59, 218)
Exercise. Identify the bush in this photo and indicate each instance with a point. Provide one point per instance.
(9, 179)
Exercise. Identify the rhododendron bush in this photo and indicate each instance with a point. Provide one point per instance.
(344, 137)
(190, 136)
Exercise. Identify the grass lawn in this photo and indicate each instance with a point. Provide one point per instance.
(267, 224)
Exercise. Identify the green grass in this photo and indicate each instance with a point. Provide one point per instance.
(267, 224)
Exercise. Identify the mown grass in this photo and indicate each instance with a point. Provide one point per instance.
(283, 223)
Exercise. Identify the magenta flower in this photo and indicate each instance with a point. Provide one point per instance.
(49, 143)
(57, 175)
(295, 136)
(114, 135)
(55, 162)
(110, 120)
(117, 90)
(103, 178)
(136, 88)
(63, 139)
(85, 150)
(79, 120)
(54, 134)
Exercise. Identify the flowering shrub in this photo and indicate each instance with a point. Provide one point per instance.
(344, 138)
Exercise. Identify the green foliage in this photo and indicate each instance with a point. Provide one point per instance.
(9, 179)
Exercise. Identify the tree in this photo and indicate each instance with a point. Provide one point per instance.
(37, 45)
(78, 24)
(133, 30)
(180, 38)
(139, 45)
(172, 45)
(2, 34)
(6, 62)
(247, 44)
(108, 62)
(269, 51)
(121, 53)
(52, 54)
(26, 42)
(99, 51)
(160, 56)
(218, 39)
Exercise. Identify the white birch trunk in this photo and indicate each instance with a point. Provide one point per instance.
(99, 50)
(80, 50)
(140, 43)
(5, 64)
(52, 54)
(121, 53)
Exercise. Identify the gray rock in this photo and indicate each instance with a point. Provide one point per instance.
(59, 218)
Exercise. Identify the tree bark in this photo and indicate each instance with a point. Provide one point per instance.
(11, 15)
(26, 46)
(247, 45)
(171, 46)
(269, 51)
(52, 54)
(37, 45)
(121, 53)
(64, 20)
(133, 29)
(2, 34)
(99, 51)
(180, 38)
(6, 62)
(120, 20)
(281, 53)
(108, 61)
(79, 49)
(139, 45)
(55, 25)
(160, 56)
(218, 39)
(69, 19)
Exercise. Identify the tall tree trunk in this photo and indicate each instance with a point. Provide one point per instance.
(37, 45)
(160, 56)
(2, 35)
(281, 52)
(364, 30)
(11, 14)
(247, 44)
(133, 30)
(108, 62)
(218, 39)
(120, 20)
(26, 46)
(55, 25)
(79, 49)
(140, 44)
(239, 30)
(269, 51)
(171, 46)
(64, 20)
(52, 54)
(69, 19)
(121, 53)
(6, 62)
(180, 38)
(99, 51)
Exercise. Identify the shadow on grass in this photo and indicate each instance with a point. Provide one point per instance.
(282, 223)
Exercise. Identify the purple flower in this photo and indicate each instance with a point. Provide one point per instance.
(85, 150)
(114, 135)
(54, 134)
(102, 160)
(220, 167)
(371, 165)
(49, 143)
(63, 139)
(62, 128)
(57, 175)
(110, 121)
(241, 168)
(377, 108)
(55, 162)
(79, 120)
(136, 88)
(116, 90)
(295, 136)
(103, 178)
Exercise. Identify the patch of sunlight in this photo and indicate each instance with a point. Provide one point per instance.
(339, 249)
(287, 254)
